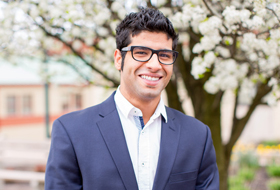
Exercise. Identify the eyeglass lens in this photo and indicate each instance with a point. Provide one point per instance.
(144, 54)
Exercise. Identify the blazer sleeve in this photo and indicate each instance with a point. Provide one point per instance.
(208, 176)
(62, 170)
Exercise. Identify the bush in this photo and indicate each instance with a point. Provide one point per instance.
(274, 185)
(248, 160)
(270, 143)
(237, 183)
(238, 188)
(247, 174)
(273, 170)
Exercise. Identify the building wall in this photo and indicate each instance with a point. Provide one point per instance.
(32, 126)
(62, 99)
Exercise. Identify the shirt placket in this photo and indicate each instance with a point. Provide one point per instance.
(143, 156)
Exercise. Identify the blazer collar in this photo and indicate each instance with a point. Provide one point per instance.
(170, 134)
(111, 130)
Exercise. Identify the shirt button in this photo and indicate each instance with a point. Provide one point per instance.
(143, 164)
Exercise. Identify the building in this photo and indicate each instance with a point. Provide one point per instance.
(23, 98)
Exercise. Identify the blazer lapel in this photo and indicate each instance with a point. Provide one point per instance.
(170, 134)
(112, 132)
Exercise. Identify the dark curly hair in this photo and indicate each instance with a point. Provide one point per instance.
(147, 19)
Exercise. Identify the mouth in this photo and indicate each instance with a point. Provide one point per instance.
(150, 78)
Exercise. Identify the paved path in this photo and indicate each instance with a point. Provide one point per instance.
(260, 181)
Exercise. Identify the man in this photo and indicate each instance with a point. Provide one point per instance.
(132, 141)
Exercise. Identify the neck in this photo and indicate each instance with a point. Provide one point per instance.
(147, 106)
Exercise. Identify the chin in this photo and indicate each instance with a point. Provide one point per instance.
(150, 95)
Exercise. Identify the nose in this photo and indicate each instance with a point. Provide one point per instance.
(153, 63)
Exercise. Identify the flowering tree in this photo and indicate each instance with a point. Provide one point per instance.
(224, 46)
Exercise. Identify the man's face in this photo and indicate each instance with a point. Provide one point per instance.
(144, 81)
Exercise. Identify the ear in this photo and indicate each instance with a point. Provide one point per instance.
(118, 59)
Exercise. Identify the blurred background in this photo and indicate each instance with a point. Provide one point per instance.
(57, 57)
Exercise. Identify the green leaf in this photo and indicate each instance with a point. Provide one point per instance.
(201, 76)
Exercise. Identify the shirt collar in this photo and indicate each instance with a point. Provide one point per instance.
(127, 108)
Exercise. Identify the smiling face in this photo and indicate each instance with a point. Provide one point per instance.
(144, 81)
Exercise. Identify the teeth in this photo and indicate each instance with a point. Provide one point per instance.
(149, 78)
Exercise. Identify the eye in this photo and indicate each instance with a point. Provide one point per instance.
(141, 51)
(165, 55)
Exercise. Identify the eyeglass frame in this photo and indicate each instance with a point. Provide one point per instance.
(130, 48)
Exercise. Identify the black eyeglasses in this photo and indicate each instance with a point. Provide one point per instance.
(143, 54)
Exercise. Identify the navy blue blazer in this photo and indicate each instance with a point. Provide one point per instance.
(88, 151)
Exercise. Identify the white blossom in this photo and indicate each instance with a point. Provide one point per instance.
(209, 42)
(116, 6)
(224, 52)
(210, 25)
(247, 91)
(102, 17)
(77, 44)
(212, 85)
(275, 34)
(76, 31)
(102, 31)
(271, 99)
(273, 81)
(227, 40)
(198, 48)
(166, 11)
(228, 82)
(259, 5)
(209, 58)
(231, 15)
(198, 68)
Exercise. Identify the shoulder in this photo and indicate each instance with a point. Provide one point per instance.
(175, 114)
(81, 114)
(187, 122)
(89, 115)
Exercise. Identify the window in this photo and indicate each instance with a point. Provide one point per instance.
(65, 102)
(11, 105)
(71, 102)
(78, 101)
(26, 104)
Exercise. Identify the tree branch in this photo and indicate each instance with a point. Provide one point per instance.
(213, 12)
(267, 31)
(239, 124)
(76, 70)
(115, 83)
(274, 13)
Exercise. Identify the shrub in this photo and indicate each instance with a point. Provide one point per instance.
(270, 143)
(273, 170)
(247, 174)
(249, 160)
(236, 181)
(274, 185)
